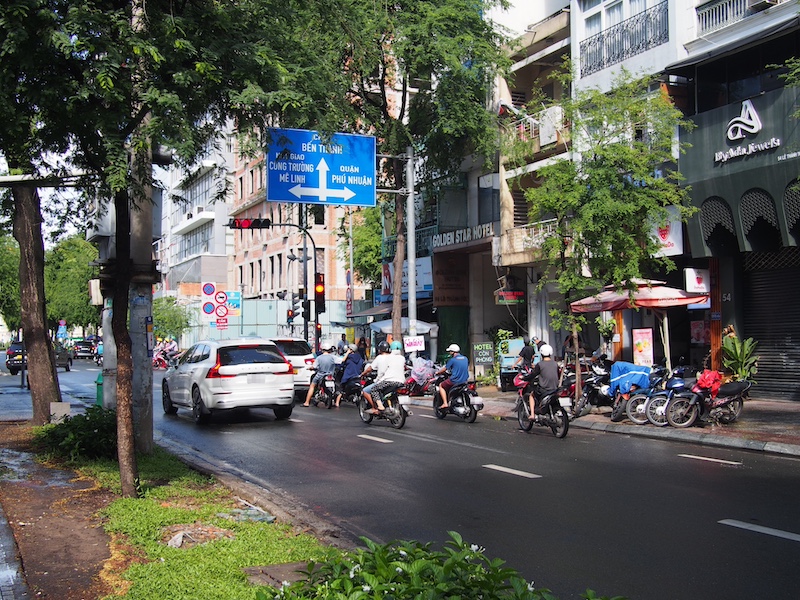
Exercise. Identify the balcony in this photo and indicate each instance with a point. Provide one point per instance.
(521, 245)
(543, 135)
(715, 15)
(648, 29)
(193, 220)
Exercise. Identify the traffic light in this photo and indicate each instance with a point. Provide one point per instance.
(290, 316)
(250, 223)
(306, 313)
(319, 292)
(297, 308)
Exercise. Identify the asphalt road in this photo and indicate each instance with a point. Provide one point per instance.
(643, 518)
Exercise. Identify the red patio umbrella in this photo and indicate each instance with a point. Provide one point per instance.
(649, 294)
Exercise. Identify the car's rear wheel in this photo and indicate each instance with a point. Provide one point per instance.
(68, 366)
(13, 371)
(282, 412)
(199, 411)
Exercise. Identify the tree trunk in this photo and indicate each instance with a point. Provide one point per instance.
(126, 444)
(27, 225)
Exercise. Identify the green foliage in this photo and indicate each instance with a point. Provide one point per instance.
(9, 282)
(603, 201)
(403, 569)
(739, 357)
(605, 328)
(169, 317)
(66, 277)
(91, 435)
(366, 243)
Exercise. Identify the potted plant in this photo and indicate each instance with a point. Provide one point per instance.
(739, 357)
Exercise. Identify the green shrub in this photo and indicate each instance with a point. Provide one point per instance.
(89, 436)
(739, 357)
(403, 569)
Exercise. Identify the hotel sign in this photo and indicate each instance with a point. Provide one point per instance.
(460, 236)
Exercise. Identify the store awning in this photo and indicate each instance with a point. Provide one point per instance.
(386, 308)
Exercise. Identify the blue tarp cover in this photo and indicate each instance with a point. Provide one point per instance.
(625, 374)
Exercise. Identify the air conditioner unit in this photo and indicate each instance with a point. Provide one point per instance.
(757, 5)
(189, 216)
(200, 209)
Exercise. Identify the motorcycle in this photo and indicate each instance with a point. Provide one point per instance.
(420, 379)
(595, 391)
(626, 378)
(325, 391)
(351, 391)
(463, 400)
(634, 408)
(552, 406)
(655, 406)
(395, 408)
(160, 360)
(98, 354)
(684, 409)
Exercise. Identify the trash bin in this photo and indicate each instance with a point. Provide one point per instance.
(99, 382)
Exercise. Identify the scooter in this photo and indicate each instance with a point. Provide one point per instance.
(325, 392)
(463, 400)
(395, 410)
(552, 405)
(684, 409)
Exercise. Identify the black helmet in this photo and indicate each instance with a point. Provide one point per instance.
(383, 347)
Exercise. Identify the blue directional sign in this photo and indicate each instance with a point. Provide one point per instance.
(302, 167)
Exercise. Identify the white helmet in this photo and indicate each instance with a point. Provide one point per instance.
(453, 348)
(546, 350)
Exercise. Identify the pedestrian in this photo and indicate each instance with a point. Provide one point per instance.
(341, 347)
(458, 365)
(362, 347)
(528, 353)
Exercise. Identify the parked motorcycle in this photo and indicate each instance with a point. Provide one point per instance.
(552, 409)
(634, 408)
(595, 389)
(395, 411)
(656, 405)
(463, 400)
(684, 409)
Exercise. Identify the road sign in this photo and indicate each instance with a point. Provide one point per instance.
(301, 167)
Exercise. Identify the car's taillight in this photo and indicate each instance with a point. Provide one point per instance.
(309, 363)
(213, 372)
(291, 367)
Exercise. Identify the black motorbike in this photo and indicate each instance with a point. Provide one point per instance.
(551, 412)
(463, 400)
(685, 408)
(325, 391)
(595, 387)
(395, 411)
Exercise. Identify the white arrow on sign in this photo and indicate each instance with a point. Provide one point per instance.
(322, 192)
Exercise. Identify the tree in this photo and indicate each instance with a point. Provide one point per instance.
(103, 82)
(67, 273)
(446, 53)
(366, 244)
(606, 198)
(169, 318)
(9, 282)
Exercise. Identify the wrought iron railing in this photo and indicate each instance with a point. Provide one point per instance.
(529, 237)
(646, 30)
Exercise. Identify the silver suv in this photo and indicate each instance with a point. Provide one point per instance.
(218, 375)
(301, 356)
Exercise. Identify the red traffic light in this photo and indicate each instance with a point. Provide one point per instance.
(250, 223)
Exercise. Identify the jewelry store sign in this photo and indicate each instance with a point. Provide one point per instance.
(747, 123)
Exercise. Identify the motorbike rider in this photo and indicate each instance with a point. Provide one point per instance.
(458, 365)
(547, 372)
(325, 364)
(391, 370)
(170, 348)
(528, 352)
(353, 365)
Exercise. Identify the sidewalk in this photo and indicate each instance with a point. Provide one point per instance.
(766, 426)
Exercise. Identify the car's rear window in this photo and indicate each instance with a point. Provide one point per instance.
(294, 348)
(247, 355)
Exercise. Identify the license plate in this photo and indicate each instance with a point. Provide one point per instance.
(565, 402)
(329, 385)
(477, 402)
(257, 378)
(404, 399)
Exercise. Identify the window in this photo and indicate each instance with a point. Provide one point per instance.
(613, 14)
(637, 6)
(592, 25)
(317, 214)
(588, 4)
(196, 241)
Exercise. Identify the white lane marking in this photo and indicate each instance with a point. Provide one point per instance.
(512, 471)
(709, 459)
(424, 416)
(787, 535)
(375, 439)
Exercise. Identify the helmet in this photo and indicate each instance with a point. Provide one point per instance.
(352, 347)
(453, 348)
(326, 346)
(383, 347)
(396, 345)
(546, 350)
